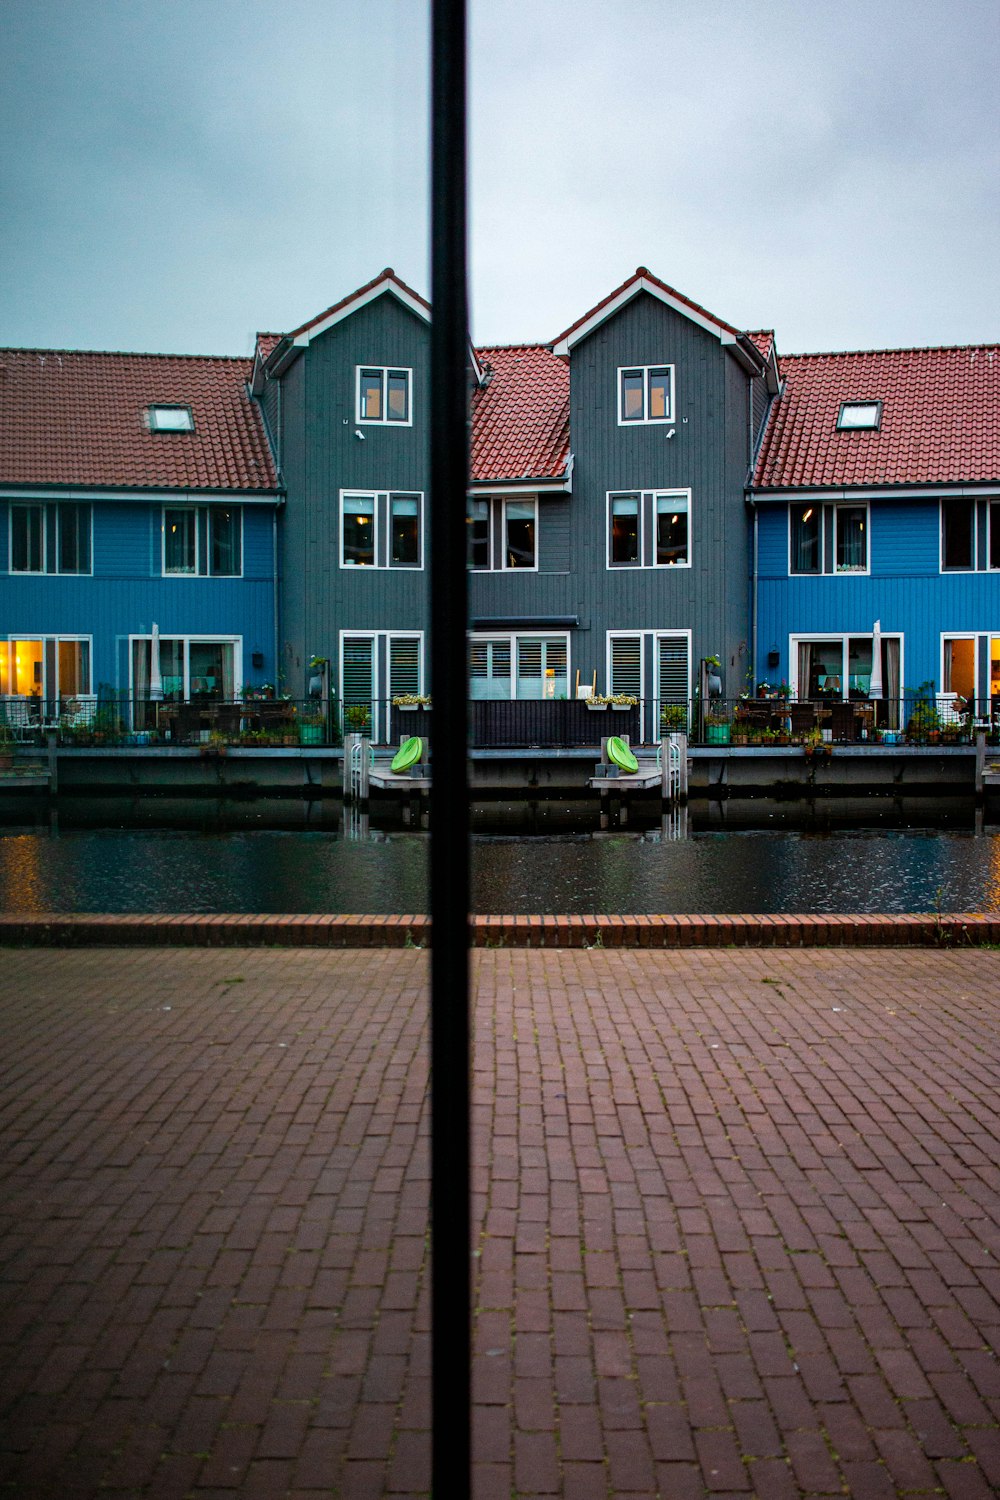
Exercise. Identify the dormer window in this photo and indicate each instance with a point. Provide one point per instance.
(646, 394)
(171, 419)
(859, 416)
(384, 395)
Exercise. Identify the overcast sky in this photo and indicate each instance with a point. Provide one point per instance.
(175, 174)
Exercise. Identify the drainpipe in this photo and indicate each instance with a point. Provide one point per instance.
(753, 595)
(277, 584)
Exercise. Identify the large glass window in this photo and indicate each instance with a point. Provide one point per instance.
(384, 395)
(994, 539)
(646, 394)
(50, 538)
(625, 530)
(190, 669)
(520, 517)
(671, 530)
(518, 666)
(959, 674)
(47, 667)
(806, 551)
(359, 531)
(958, 535)
(404, 531)
(851, 538)
(479, 534)
(203, 540)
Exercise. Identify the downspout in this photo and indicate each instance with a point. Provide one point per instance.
(753, 597)
(277, 585)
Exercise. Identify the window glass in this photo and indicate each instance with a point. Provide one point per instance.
(821, 669)
(404, 529)
(359, 530)
(371, 395)
(225, 540)
(171, 419)
(859, 414)
(671, 530)
(180, 541)
(74, 668)
(520, 528)
(859, 666)
(958, 519)
(398, 396)
(210, 664)
(659, 395)
(625, 529)
(479, 533)
(995, 533)
(806, 548)
(27, 538)
(960, 667)
(489, 669)
(851, 539)
(74, 540)
(632, 383)
(27, 673)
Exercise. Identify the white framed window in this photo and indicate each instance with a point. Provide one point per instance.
(859, 416)
(54, 537)
(645, 394)
(993, 535)
(381, 529)
(376, 666)
(528, 665)
(958, 536)
(170, 419)
(46, 667)
(520, 534)
(479, 519)
(649, 529)
(831, 665)
(653, 666)
(828, 539)
(202, 541)
(385, 395)
(192, 668)
(960, 664)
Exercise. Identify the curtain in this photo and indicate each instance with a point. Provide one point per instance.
(140, 669)
(228, 678)
(805, 669)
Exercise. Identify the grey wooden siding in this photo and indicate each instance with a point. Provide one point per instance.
(707, 454)
(321, 457)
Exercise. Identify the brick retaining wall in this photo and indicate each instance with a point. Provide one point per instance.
(607, 931)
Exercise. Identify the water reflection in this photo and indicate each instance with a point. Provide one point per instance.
(216, 858)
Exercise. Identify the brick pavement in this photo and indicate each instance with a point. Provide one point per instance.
(738, 1223)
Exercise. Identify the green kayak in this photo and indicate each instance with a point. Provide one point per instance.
(408, 754)
(620, 755)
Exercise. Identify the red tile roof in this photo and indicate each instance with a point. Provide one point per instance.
(80, 418)
(762, 340)
(940, 421)
(520, 417)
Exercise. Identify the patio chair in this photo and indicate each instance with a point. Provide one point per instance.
(80, 711)
(948, 711)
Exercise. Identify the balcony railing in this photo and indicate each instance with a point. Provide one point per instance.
(109, 720)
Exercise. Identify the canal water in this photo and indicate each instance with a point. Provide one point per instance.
(273, 858)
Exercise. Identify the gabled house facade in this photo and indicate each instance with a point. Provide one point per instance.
(135, 490)
(876, 499)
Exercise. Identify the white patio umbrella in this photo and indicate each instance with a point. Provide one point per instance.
(155, 677)
(875, 684)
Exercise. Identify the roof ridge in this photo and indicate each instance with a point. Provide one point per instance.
(892, 349)
(124, 354)
(541, 344)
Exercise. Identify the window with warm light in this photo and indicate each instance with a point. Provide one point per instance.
(645, 394)
(649, 529)
(203, 541)
(826, 539)
(384, 395)
(380, 529)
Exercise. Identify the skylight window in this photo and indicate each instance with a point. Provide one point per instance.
(171, 419)
(859, 416)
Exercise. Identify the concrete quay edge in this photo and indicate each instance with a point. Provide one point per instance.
(412, 930)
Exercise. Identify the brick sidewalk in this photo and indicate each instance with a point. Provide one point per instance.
(738, 1223)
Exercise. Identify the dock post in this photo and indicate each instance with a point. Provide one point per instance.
(681, 741)
(980, 764)
(51, 736)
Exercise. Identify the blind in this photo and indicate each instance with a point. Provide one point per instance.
(626, 664)
(404, 665)
(359, 660)
(672, 669)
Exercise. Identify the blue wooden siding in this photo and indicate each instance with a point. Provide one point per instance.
(905, 591)
(127, 592)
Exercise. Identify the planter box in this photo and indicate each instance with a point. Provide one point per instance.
(310, 734)
(717, 734)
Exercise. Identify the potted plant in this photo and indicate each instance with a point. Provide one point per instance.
(411, 702)
(622, 700)
(713, 676)
(357, 717)
(317, 672)
(673, 718)
(311, 729)
(597, 702)
(717, 727)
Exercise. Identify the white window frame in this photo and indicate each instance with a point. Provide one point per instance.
(647, 535)
(974, 565)
(992, 509)
(7, 687)
(488, 566)
(506, 567)
(381, 507)
(197, 509)
(648, 661)
(646, 420)
(44, 571)
(843, 637)
(198, 637)
(834, 571)
(962, 635)
(384, 420)
(380, 648)
(512, 637)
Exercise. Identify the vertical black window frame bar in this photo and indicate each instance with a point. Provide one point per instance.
(451, 1472)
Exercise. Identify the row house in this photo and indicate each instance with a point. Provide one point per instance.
(651, 488)
(137, 498)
